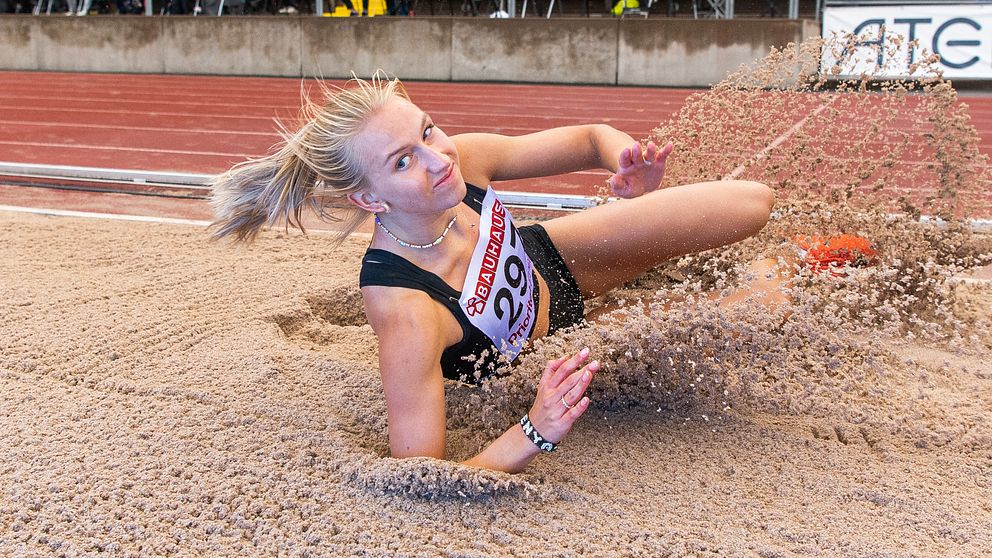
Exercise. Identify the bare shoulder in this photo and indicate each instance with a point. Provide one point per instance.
(477, 155)
(408, 321)
(390, 308)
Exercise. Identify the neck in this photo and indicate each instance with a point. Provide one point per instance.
(416, 232)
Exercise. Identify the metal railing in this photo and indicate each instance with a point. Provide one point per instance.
(190, 185)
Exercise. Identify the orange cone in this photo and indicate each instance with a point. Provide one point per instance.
(837, 252)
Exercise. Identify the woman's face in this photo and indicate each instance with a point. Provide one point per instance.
(409, 163)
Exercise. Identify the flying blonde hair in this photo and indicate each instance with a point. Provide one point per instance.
(314, 168)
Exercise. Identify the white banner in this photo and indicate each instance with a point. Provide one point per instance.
(960, 34)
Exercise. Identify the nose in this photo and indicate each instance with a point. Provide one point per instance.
(436, 159)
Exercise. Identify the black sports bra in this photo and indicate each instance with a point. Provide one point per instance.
(474, 357)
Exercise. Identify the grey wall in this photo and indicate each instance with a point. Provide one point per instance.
(554, 51)
(335, 47)
(76, 44)
(228, 45)
(666, 52)
(695, 52)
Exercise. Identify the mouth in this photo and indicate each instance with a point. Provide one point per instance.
(446, 178)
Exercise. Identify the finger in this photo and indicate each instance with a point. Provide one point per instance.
(570, 366)
(575, 385)
(567, 367)
(636, 155)
(577, 410)
(650, 152)
(666, 151)
(575, 394)
(625, 158)
(569, 398)
(551, 368)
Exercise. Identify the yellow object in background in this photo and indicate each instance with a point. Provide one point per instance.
(624, 4)
(376, 8)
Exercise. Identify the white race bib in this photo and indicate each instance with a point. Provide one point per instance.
(498, 295)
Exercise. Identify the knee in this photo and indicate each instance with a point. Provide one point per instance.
(757, 198)
(760, 195)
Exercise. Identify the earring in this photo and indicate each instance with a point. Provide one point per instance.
(385, 207)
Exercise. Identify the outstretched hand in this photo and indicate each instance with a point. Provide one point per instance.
(560, 395)
(640, 172)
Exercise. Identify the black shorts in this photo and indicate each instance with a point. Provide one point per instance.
(567, 308)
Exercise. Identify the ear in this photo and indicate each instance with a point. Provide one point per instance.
(367, 201)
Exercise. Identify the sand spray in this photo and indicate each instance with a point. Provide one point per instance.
(858, 156)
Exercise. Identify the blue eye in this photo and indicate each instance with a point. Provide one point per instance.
(428, 130)
(403, 162)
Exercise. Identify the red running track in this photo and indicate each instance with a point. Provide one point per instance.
(204, 124)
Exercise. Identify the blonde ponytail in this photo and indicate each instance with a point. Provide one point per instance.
(314, 169)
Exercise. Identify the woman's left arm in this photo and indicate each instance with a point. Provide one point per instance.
(486, 157)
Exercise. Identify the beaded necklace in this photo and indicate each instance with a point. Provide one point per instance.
(406, 244)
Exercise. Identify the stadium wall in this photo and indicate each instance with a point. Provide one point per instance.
(660, 52)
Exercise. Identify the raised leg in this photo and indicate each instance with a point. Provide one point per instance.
(608, 245)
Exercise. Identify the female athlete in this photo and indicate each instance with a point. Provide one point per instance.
(450, 284)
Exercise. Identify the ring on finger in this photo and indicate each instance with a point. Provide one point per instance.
(565, 403)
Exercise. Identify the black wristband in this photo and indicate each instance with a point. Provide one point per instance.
(542, 443)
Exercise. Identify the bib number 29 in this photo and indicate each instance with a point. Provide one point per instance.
(515, 279)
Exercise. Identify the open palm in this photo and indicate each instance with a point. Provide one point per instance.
(640, 171)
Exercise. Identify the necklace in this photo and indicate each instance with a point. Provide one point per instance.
(406, 244)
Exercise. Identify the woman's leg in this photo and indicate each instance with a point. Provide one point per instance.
(608, 245)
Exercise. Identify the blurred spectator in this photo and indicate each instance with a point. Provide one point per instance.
(17, 6)
(351, 7)
(134, 7)
(85, 7)
(398, 7)
(177, 7)
(212, 7)
(347, 4)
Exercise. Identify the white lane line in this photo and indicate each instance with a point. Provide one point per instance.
(777, 141)
(77, 125)
(91, 215)
(139, 218)
(153, 113)
(116, 148)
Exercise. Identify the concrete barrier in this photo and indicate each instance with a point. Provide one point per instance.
(259, 46)
(414, 48)
(540, 50)
(661, 52)
(98, 44)
(18, 46)
(695, 53)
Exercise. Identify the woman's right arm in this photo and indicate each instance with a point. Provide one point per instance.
(412, 335)
(563, 378)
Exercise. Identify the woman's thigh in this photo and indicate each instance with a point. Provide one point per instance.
(608, 245)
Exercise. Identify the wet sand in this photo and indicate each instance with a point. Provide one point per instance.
(164, 395)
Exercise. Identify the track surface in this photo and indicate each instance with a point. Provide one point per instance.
(205, 124)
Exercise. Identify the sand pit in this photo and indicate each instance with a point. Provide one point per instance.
(164, 395)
